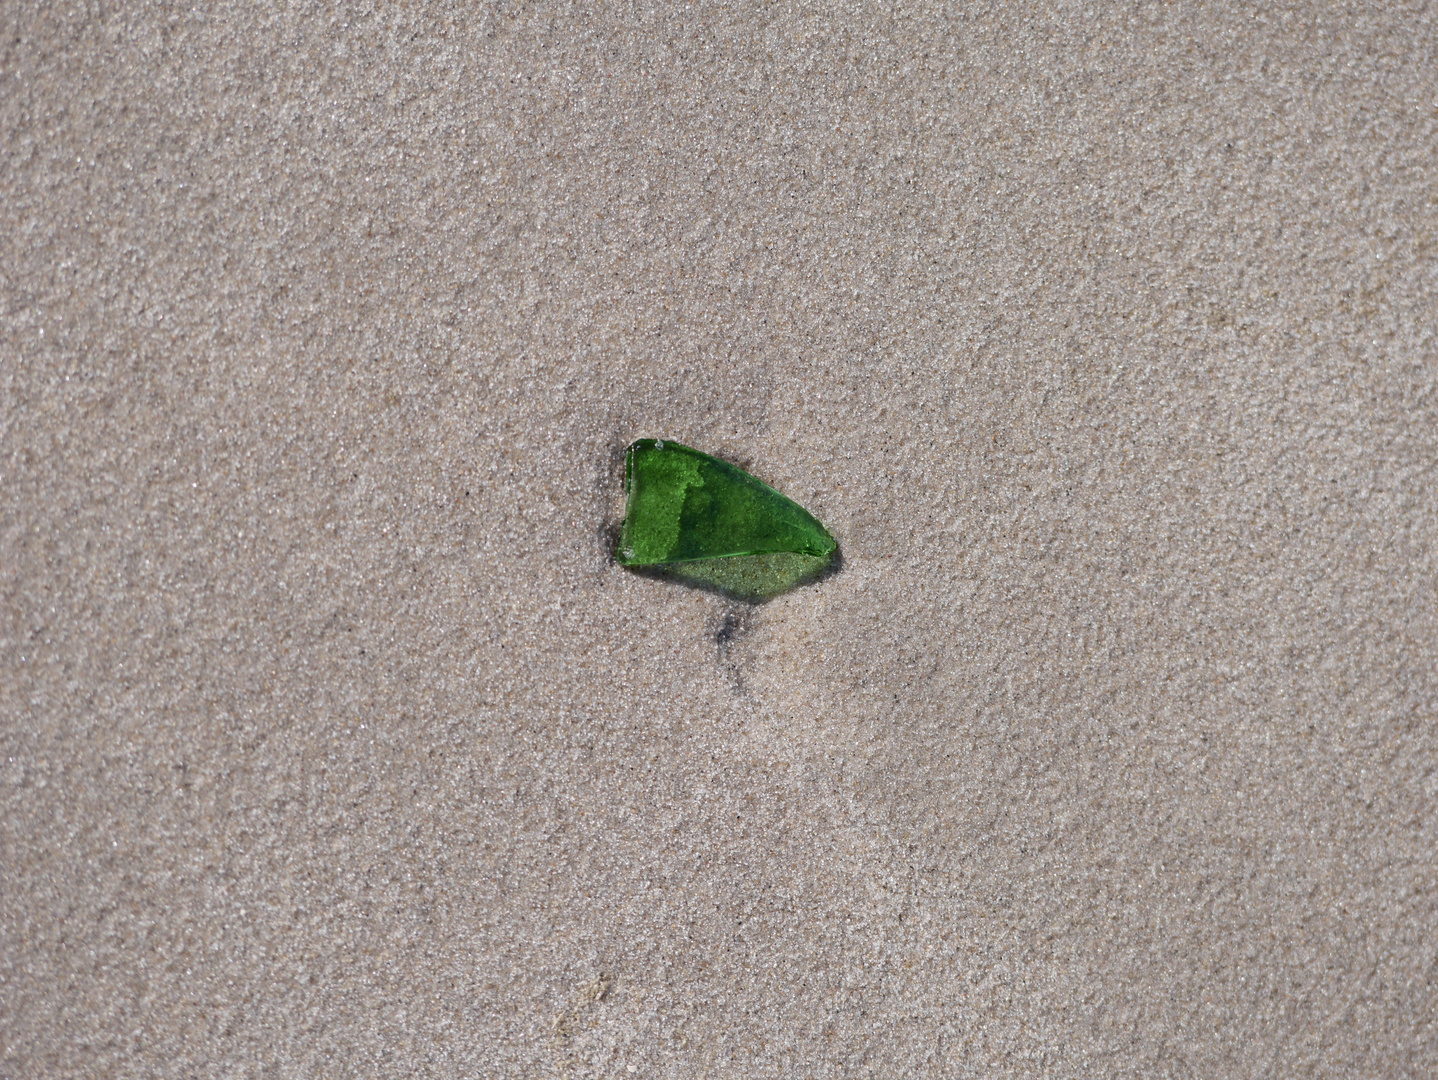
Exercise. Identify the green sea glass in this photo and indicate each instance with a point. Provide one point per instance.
(697, 519)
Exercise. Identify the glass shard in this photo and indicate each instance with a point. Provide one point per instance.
(698, 519)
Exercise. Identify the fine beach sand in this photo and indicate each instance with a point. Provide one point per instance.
(334, 743)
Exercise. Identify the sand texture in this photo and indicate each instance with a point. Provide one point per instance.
(334, 743)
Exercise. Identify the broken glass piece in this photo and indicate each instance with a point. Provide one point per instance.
(705, 521)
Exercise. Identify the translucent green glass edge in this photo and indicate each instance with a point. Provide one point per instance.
(754, 579)
(628, 495)
(733, 555)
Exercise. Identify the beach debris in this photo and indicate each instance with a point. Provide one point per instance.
(699, 519)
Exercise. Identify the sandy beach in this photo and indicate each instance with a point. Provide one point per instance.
(335, 743)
